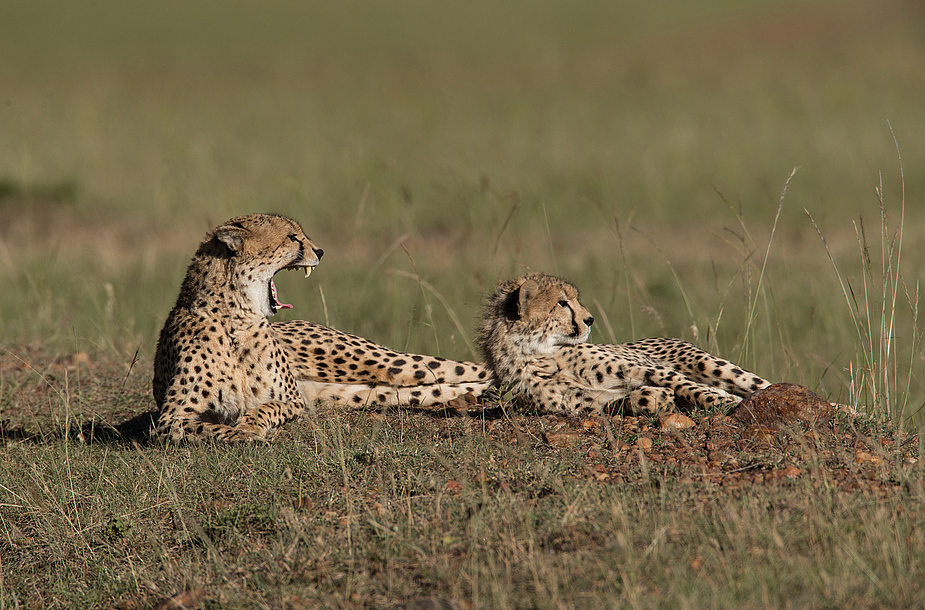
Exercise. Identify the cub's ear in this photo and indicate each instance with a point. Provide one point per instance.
(231, 236)
(524, 294)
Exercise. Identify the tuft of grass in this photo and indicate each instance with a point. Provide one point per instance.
(884, 308)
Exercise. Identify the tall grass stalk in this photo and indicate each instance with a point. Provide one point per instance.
(764, 264)
(878, 386)
(428, 287)
(695, 330)
(427, 306)
(752, 297)
(618, 229)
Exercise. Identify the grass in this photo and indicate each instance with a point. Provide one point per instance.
(372, 509)
(639, 151)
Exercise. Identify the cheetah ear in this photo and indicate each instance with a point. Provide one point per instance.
(524, 294)
(231, 236)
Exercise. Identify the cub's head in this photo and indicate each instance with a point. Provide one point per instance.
(532, 315)
(248, 251)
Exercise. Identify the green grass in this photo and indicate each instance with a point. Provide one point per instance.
(367, 510)
(638, 150)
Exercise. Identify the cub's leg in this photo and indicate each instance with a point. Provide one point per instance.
(648, 400)
(698, 365)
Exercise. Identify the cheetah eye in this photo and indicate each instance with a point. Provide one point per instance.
(294, 238)
(563, 303)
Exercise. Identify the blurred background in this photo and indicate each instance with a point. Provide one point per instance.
(433, 148)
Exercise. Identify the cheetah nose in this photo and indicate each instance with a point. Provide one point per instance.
(318, 252)
(589, 320)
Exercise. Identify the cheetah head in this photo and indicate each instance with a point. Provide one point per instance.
(534, 315)
(257, 247)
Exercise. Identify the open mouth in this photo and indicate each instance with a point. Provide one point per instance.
(275, 304)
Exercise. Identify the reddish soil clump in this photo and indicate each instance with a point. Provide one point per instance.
(783, 403)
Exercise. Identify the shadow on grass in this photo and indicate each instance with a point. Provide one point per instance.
(448, 412)
(139, 430)
(134, 431)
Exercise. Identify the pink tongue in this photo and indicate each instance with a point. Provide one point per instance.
(276, 300)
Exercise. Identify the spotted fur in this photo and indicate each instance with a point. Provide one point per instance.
(533, 332)
(334, 366)
(222, 371)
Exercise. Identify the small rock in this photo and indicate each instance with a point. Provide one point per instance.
(562, 438)
(73, 361)
(644, 443)
(781, 404)
(791, 472)
(676, 421)
(862, 457)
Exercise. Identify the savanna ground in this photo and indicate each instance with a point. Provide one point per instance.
(638, 149)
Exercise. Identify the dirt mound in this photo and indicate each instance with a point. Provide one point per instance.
(782, 404)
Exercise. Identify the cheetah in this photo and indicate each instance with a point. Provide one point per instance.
(223, 372)
(337, 367)
(533, 332)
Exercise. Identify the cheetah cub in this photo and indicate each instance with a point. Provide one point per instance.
(533, 332)
(222, 371)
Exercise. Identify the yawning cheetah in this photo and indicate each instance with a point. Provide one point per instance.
(533, 332)
(223, 371)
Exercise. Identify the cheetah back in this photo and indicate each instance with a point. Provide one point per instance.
(333, 365)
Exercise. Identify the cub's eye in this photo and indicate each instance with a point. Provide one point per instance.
(563, 303)
(294, 238)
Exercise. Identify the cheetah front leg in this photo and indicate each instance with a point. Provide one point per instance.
(193, 430)
(650, 389)
(265, 419)
(705, 397)
(558, 397)
(554, 388)
(697, 365)
(687, 392)
(255, 424)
